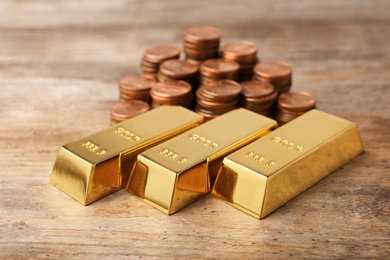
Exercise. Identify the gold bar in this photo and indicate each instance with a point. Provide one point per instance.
(262, 176)
(175, 173)
(100, 164)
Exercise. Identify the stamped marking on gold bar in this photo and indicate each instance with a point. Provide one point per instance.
(90, 146)
(202, 140)
(127, 134)
(172, 155)
(259, 158)
(287, 143)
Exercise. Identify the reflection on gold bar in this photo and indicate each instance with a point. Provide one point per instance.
(175, 173)
(262, 176)
(100, 164)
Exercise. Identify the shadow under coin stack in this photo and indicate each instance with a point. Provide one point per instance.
(293, 104)
(123, 111)
(278, 73)
(175, 69)
(154, 55)
(218, 69)
(136, 88)
(201, 43)
(174, 93)
(244, 53)
(217, 98)
(259, 97)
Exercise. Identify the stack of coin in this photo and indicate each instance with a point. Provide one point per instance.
(201, 43)
(217, 98)
(123, 111)
(245, 54)
(218, 69)
(278, 73)
(259, 97)
(154, 55)
(178, 70)
(174, 92)
(136, 87)
(293, 104)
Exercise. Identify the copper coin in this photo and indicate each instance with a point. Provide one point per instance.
(208, 115)
(254, 88)
(123, 111)
(170, 89)
(296, 101)
(201, 46)
(273, 70)
(218, 67)
(202, 57)
(239, 51)
(221, 90)
(196, 34)
(206, 79)
(137, 83)
(277, 83)
(148, 64)
(193, 61)
(178, 68)
(124, 97)
(159, 53)
(214, 104)
(200, 52)
(189, 79)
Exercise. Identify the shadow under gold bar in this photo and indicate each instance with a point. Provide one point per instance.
(100, 164)
(262, 176)
(175, 173)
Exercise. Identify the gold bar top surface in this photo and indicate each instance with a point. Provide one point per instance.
(265, 174)
(95, 166)
(171, 175)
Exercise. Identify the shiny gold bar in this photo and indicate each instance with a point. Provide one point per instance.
(100, 164)
(175, 173)
(262, 176)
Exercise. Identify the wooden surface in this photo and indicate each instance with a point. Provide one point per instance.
(60, 62)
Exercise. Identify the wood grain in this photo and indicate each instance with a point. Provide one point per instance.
(60, 62)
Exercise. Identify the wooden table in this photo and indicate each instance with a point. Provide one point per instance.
(60, 62)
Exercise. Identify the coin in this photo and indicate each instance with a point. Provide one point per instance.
(222, 90)
(201, 42)
(159, 53)
(217, 69)
(290, 105)
(122, 111)
(175, 92)
(202, 34)
(156, 54)
(296, 101)
(218, 97)
(242, 51)
(136, 83)
(178, 69)
(273, 70)
(278, 73)
(258, 96)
